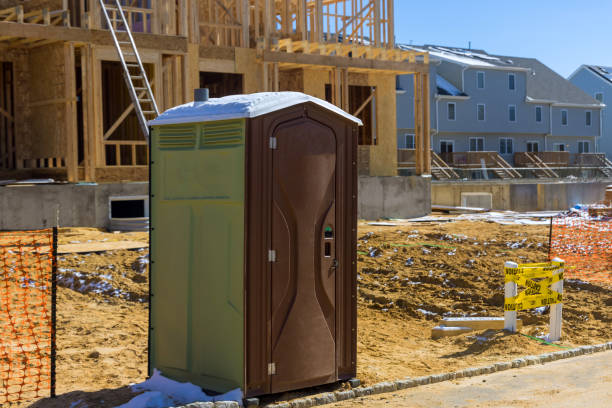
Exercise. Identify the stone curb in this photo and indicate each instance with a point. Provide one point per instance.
(390, 386)
(219, 404)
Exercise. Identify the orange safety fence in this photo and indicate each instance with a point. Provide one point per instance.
(585, 244)
(27, 315)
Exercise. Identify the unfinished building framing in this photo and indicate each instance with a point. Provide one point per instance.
(65, 111)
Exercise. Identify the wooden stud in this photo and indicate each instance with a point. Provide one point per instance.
(426, 125)
(70, 114)
(418, 131)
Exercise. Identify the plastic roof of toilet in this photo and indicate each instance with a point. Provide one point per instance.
(241, 106)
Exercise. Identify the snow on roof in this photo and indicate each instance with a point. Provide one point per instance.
(446, 88)
(241, 106)
(465, 60)
(605, 72)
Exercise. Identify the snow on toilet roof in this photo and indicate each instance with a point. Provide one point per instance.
(241, 106)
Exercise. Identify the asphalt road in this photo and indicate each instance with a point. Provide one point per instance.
(584, 381)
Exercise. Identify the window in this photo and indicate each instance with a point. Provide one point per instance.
(511, 82)
(480, 109)
(409, 140)
(583, 147)
(564, 117)
(538, 114)
(533, 147)
(447, 146)
(476, 144)
(558, 147)
(480, 80)
(599, 96)
(512, 113)
(451, 107)
(505, 145)
(587, 118)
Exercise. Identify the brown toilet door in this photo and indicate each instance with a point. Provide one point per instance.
(303, 332)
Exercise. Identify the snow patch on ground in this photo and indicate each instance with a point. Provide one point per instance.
(162, 392)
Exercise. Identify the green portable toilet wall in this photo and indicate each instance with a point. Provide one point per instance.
(253, 223)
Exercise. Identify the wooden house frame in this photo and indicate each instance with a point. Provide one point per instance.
(63, 113)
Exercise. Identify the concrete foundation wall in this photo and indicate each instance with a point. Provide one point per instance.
(394, 197)
(66, 205)
(523, 195)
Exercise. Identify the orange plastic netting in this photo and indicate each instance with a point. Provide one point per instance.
(27, 308)
(585, 244)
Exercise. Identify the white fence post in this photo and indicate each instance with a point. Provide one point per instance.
(510, 291)
(556, 309)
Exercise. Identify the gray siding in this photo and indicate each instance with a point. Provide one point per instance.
(591, 83)
(497, 97)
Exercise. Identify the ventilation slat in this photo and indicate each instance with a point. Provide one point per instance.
(177, 137)
(222, 134)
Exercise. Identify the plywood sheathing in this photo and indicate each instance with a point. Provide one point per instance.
(383, 155)
(52, 107)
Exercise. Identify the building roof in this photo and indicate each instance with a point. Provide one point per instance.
(604, 72)
(543, 84)
(446, 88)
(241, 106)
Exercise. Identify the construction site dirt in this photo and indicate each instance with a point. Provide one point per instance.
(410, 276)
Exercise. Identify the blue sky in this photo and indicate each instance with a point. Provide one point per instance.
(562, 34)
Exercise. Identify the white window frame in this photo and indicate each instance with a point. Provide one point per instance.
(454, 111)
(513, 81)
(515, 114)
(588, 143)
(602, 96)
(566, 117)
(556, 147)
(476, 138)
(505, 139)
(484, 112)
(483, 79)
(533, 142)
(448, 142)
(406, 135)
(541, 114)
(588, 113)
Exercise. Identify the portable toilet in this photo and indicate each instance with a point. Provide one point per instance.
(253, 243)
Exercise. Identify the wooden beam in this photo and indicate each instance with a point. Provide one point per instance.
(121, 118)
(314, 60)
(344, 82)
(82, 35)
(244, 8)
(418, 131)
(426, 125)
(365, 103)
(70, 117)
(390, 25)
(87, 106)
(6, 115)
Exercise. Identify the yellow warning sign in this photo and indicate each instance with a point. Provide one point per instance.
(537, 293)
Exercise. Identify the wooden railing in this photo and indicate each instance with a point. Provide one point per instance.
(406, 157)
(126, 153)
(42, 163)
(551, 159)
(43, 16)
(589, 159)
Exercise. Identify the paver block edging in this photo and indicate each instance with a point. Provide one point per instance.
(391, 386)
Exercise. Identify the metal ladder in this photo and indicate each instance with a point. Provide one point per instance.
(133, 72)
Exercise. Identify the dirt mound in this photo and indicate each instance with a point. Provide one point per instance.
(113, 274)
(409, 277)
